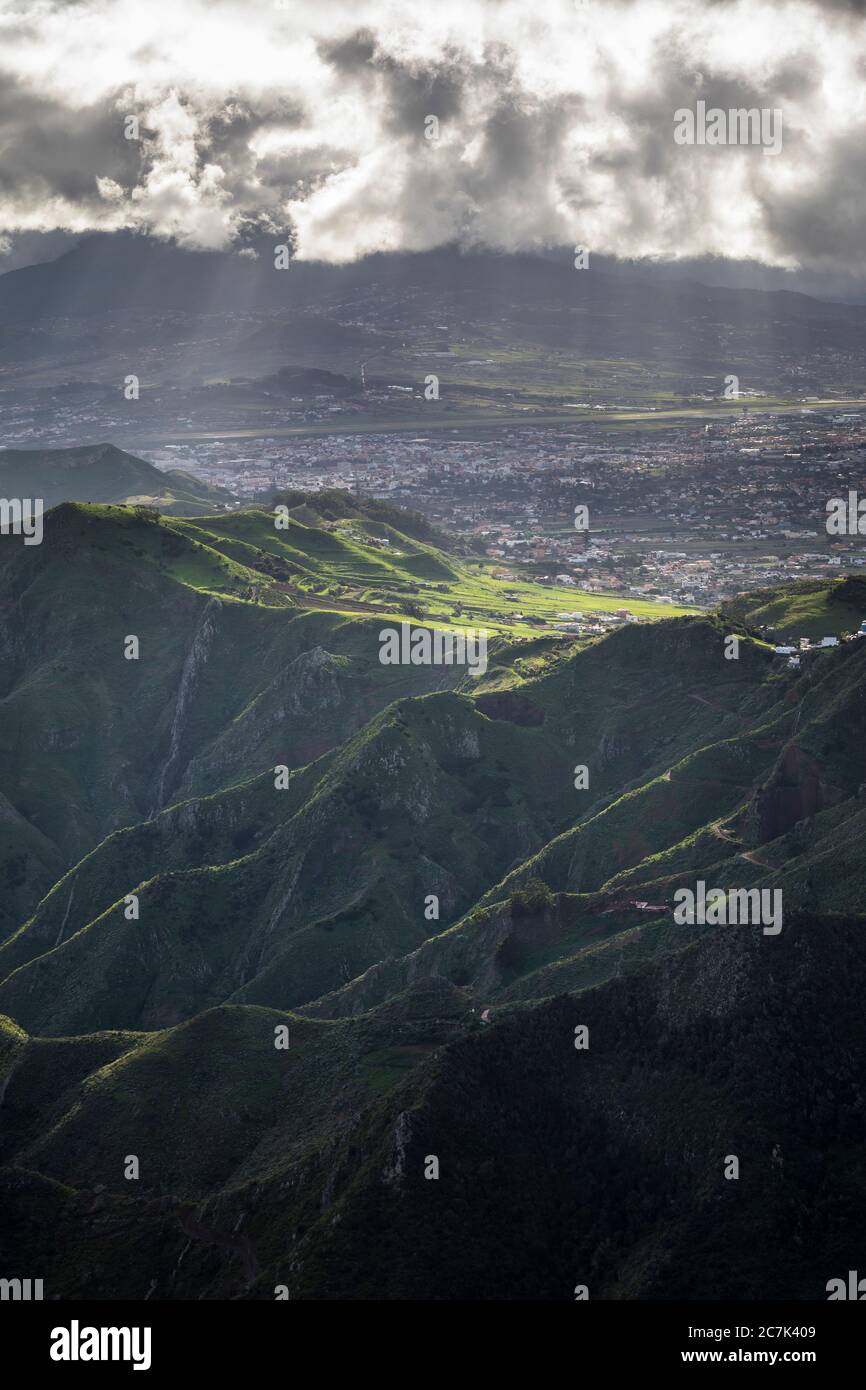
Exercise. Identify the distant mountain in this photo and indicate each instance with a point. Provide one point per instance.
(306, 381)
(297, 383)
(104, 473)
(413, 1035)
(124, 272)
(215, 312)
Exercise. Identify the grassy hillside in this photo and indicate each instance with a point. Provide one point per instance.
(104, 473)
(812, 608)
(91, 741)
(414, 1031)
(354, 558)
(442, 795)
(305, 605)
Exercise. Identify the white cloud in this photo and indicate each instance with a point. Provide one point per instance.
(556, 124)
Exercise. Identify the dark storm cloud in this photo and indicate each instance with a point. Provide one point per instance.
(822, 223)
(351, 54)
(49, 149)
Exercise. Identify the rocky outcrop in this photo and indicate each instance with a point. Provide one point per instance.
(195, 660)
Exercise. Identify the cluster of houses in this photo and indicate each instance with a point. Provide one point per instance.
(593, 622)
(805, 644)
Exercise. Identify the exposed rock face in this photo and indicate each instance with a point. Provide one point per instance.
(195, 660)
(312, 681)
(395, 1168)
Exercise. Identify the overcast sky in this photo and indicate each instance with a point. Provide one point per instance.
(556, 125)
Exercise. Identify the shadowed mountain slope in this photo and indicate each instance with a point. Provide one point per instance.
(332, 1012)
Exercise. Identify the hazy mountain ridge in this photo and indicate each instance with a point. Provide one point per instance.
(211, 317)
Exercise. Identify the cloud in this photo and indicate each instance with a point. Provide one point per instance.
(555, 125)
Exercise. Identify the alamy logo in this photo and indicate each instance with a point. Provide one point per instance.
(854, 1289)
(739, 126)
(422, 646)
(22, 516)
(741, 907)
(846, 516)
(21, 1290)
(76, 1343)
